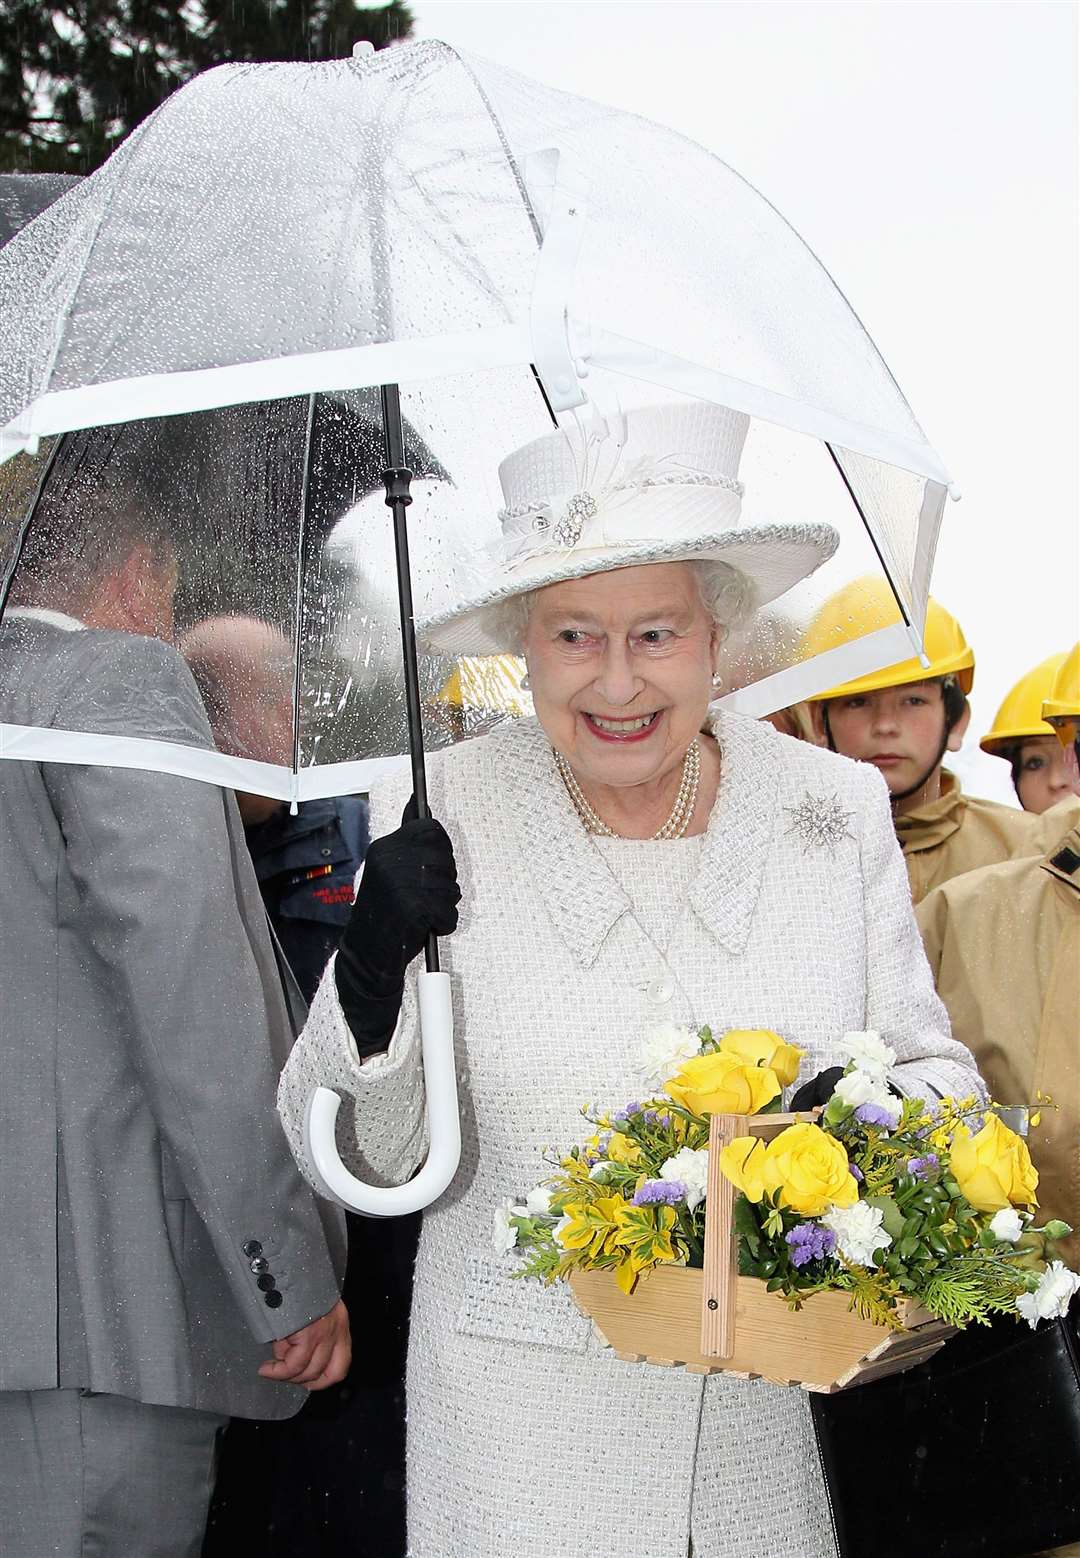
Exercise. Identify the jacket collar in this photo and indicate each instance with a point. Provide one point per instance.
(930, 825)
(582, 897)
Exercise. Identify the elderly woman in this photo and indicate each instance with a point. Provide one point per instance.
(625, 858)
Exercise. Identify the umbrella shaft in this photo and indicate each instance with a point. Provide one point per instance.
(398, 478)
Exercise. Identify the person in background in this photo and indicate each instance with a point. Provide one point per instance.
(330, 1481)
(1004, 945)
(163, 1265)
(306, 861)
(796, 720)
(1022, 737)
(902, 721)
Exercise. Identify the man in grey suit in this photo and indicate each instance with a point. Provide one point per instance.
(162, 1264)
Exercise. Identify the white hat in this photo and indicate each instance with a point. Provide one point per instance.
(654, 485)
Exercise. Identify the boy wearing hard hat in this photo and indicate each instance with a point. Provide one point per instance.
(1022, 737)
(903, 720)
(1004, 945)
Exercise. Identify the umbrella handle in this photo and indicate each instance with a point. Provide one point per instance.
(337, 1183)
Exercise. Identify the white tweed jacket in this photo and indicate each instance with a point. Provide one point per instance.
(525, 1436)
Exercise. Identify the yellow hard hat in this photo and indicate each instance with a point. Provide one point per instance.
(1063, 700)
(490, 684)
(868, 604)
(1020, 715)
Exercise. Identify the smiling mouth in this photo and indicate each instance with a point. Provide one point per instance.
(622, 729)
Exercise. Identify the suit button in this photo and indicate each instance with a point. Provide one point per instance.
(251, 1248)
(266, 1284)
(260, 1264)
(273, 1300)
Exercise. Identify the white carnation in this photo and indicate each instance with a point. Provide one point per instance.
(504, 1235)
(1050, 1299)
(858, 1231)
(855, 1088)
(538, 1201)
(689, 1167)
(1007, 1225)
(868, 1052)
(663, 1051)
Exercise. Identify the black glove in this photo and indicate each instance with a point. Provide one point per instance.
(408, 891)
(818, 1090)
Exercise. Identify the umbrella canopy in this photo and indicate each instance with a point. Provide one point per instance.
(507, 254)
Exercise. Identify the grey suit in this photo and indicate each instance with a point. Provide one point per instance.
(147, 1192)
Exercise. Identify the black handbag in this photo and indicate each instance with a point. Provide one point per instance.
(973, 1454)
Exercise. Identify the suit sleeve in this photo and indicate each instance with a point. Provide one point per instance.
(381, 1133)
(902, 1004)
(157, 887)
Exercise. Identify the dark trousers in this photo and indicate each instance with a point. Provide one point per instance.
(331, 1481)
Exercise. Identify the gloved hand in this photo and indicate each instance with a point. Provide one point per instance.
(818, 1090)
(408, 890)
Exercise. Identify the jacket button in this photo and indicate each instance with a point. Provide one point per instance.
(266, 1284)
(251, 1248)
(260, 1264)
(273, 1300)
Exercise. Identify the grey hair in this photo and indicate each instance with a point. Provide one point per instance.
(726, 593)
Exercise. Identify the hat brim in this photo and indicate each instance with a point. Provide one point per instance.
(771, 558)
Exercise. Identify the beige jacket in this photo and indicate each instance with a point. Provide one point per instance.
(958, 833)
(1004, 945)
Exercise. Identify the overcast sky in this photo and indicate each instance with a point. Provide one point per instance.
(928, 154)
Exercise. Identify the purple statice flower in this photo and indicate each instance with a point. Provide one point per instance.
(809, 1241)
(622, 1115)
(659, 1192)
(874, 1114)
(856, 1172)
(922, 1168)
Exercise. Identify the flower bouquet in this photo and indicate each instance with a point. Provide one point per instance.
(697, 1225)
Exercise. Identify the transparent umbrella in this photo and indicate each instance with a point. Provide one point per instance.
(292, 279)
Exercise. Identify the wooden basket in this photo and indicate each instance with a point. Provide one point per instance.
(713, 1321)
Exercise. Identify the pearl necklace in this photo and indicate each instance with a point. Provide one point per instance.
(681, 813)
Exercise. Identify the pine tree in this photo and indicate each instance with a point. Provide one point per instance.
(75, 79)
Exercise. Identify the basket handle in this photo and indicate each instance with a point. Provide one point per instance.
(721, 1260)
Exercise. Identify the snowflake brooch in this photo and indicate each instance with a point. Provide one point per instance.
(820, 821)
(568, 527)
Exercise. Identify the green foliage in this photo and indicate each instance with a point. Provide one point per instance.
(75, 79)
(973, 1286)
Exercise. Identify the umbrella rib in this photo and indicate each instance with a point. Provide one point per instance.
(873, 538)
(301, 560)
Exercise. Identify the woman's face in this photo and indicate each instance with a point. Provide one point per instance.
(621, 668)
(1042, 780)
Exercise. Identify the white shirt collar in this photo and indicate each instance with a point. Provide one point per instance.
(56, 619)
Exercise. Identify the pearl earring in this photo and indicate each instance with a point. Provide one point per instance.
(525, 684)
(717, 679)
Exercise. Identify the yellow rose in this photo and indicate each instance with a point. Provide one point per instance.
(759, 1047)
(741, 1162)
(808, 1169)
(993, 1167)
(721, 1083)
